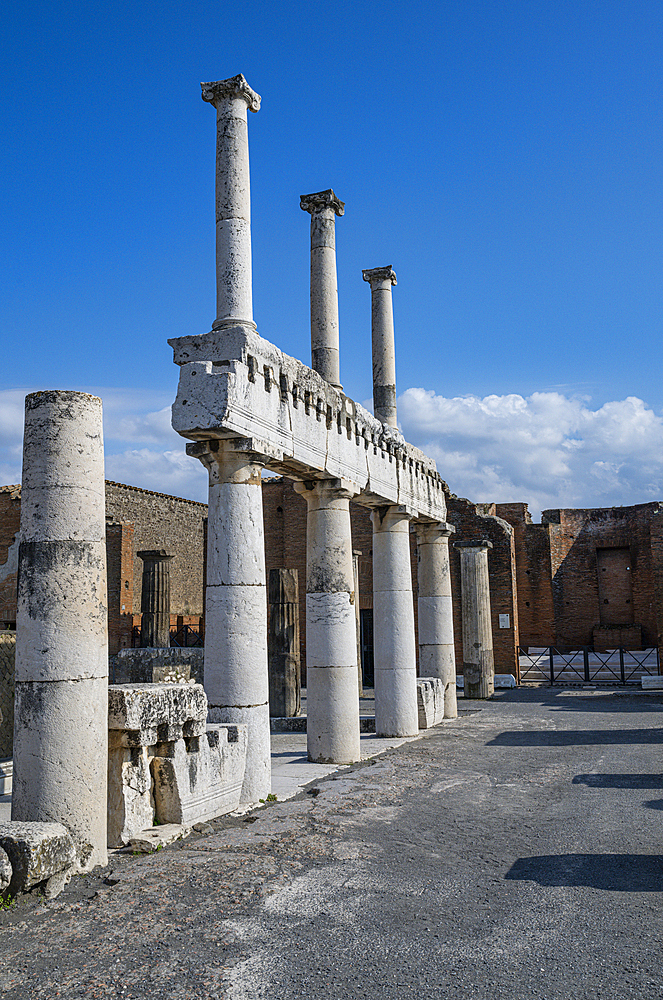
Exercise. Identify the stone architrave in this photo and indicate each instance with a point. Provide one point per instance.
(323, 207)
(394, 646)
(437, 656)
(283, 644)
(478, 665)
(234, 295)
(332, 694)
(236, 670)
(61, 678)
(155, 599)
(384, 352)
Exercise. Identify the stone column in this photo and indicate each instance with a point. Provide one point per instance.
(155, 599)
(234, 297)
(283, 644)
(61, 693)
(478, 666)
(324, 206)
(384, 353)
(355, 576)
(236, 679)
(394, 649)
(436, 627)
(332, 695)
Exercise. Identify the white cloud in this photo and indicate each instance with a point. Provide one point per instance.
(547, 449)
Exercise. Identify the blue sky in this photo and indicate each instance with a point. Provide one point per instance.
(504, 157)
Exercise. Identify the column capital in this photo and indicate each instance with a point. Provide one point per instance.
(430, 531)
(159, 555)
(236, 86)
(339, 489)
(473, 543)
(318, 202)
(378, 274)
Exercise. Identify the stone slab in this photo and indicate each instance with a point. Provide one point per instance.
(654, 683)
(146, 714)
(158, 836)
(430, 701)
(37, 852)
(198, 779)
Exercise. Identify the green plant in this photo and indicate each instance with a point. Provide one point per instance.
(7, 902)
(271, 797)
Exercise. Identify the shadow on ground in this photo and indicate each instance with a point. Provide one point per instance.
(611, 872)
(575, 737)
(619, 780)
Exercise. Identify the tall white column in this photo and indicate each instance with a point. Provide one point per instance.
(436, 627)
(324, 206)
(236, 673)
(384, 352)
(61, 680)
(332, 690)
(478, 665)
(394, 649)
(234, 298)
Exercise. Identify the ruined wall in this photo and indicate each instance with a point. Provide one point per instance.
(7, 660)
(120, 570)
(536, 611)
(480, 521)
(163, 522)
(10, 516)
(588, 575)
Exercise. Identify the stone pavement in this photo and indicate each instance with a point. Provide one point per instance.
(514, 852)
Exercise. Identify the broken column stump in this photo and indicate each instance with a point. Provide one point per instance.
(478, 664)
(283, 644)
(155, 599)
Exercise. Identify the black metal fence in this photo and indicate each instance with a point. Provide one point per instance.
(585, 665)
(181, 638)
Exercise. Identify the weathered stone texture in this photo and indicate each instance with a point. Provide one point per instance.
(150, 666)
(37, 852)
(430, 701)
(145, 714)
(7, 658)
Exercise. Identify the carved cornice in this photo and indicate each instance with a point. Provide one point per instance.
(376, 274)
(236, 86)
(317, 202)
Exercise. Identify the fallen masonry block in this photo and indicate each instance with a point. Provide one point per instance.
(430, 701)
(5, 870)
(130, 803)
(158, 836)
(198, 778)
(654, 683)
(38, 852)
(146, 714)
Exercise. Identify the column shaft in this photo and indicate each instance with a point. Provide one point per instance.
(394, 649)
(381, 280)
(231, 98)
(332, 694)
(436, 629)
(155, 599)
(478, 665)
(324, 206)
(283, 644)
(61, 680)
(236, 678)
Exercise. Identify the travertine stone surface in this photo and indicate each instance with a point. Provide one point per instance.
(155, 599)
(478, 666)
(332, 691)
(198, 779)
(430, 701)
(5, 870)
(37, 852)
(145, 714)
(435, 620)
(298, 422)
(61, 681)
(323, 207)
(130, 802)
(234, 297)
(236, 678)
(394, 647)
(384, 351)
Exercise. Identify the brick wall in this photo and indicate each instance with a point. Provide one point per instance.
(480, 521)
(7, 657)
(10, 516)
(120, 572)
(536, 613)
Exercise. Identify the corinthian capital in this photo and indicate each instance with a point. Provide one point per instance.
(236, 86)
(315, 203)
(380, 274)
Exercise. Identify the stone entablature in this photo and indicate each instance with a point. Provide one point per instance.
(235, 384)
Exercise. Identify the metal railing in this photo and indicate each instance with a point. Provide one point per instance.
(585, 665)
(181, 638)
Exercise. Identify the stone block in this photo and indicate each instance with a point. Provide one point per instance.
(158, 836)
(150, 666)
(146, 714)
(430, 701)
(38, 852)
(654, 683)
(505, 681)
(5, 870)
(200, 778)
(130, 802)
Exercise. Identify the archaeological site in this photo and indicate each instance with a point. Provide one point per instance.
(150, 645)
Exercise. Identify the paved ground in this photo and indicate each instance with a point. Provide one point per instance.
(515, 852)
